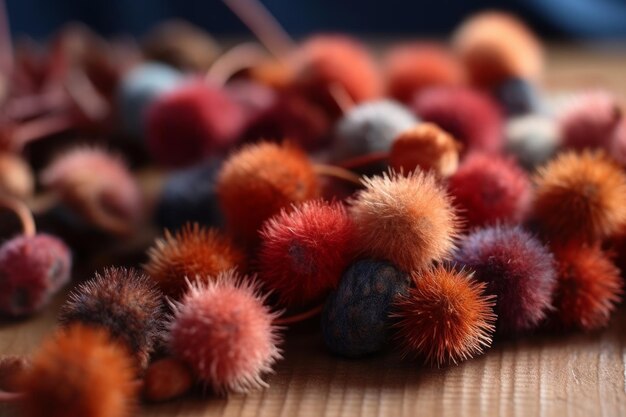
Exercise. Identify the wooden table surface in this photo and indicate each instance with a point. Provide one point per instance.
(549, 375)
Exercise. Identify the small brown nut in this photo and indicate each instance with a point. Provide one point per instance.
(166, 379)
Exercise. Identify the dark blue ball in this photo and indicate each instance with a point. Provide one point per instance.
(518, 96)
(355, 321)
(189, 196)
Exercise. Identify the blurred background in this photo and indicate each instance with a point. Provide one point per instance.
(554, 19)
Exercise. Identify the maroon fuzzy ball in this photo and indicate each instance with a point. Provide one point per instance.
(490, 189)
(304, 251)
(517, 269)
(32, 270)
(193, 121)
(470, 116)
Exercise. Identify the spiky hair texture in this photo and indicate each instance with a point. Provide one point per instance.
(445, 317)
(589, 287)
(490, 189)
(580, 196)
(122, 301)
(192, 253)
(304, 252)
(258, 181)
(517, 269)
(408, 220)
(79, 372)
(225, 333)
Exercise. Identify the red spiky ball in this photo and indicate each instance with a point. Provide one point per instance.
(446, 317)
(471, 117)
(224, 332)
(411, 67)
(590, 120)
(327, 60)
(258, 181)
(304, 252)
(407, 220)
(580, 196)
(192, 122)
(490, 189)
(588, 289)
(79, 372)
(32, 270)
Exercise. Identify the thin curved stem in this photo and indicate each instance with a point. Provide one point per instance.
(22, 211)
(285, 321)
(341, 97)
(238, 58)
(338, 172)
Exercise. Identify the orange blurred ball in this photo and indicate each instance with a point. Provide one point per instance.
(496, 46)
(259, 180)
(428, 147)
(413, 66)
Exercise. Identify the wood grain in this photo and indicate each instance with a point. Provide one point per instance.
(545, 375)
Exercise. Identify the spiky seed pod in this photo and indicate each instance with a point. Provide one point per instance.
(446, 317)
(32, 270)
(303, 252)
(79, 372)
(589, 287)
(425, 146)
(192, 253)
(123, 302)
(490, 189)
(224, 332)
(258, 181)
(580, 196)
(408, 220)
(517, 269)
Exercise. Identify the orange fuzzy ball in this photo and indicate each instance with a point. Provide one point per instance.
(192, 253)
(79, 372)
(411, 67)
(408, 220)
(425, 146)
(496, 46)
(588, 288)
(225, 333)
(580, 196)
(327, 60)
(446, 317)
(259, 180)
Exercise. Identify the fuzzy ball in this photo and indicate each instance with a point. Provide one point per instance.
(532, 139)
(590, 120)
(97, 185)
(123, 302)
(304, 251)
(79, 372)
(370, 127)
(12, 370)
(471, 117)
(411, 67)
(224, 332)
(324, 61)
(496, 46)
(408, 220)
(489, 189)
(446, 317)
(355, 321)
(580, 196)
(193, 254)
(166, 379)
(589, 287)
(189, 196)
(32, 270)
(258, 181)
(16, 176)
(139, 88)
(518, 97)
(192, 122)
(517, 269)
(427, 147)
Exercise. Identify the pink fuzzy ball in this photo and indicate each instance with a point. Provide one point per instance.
(224, 332)
(32, 270)
(471, 117)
